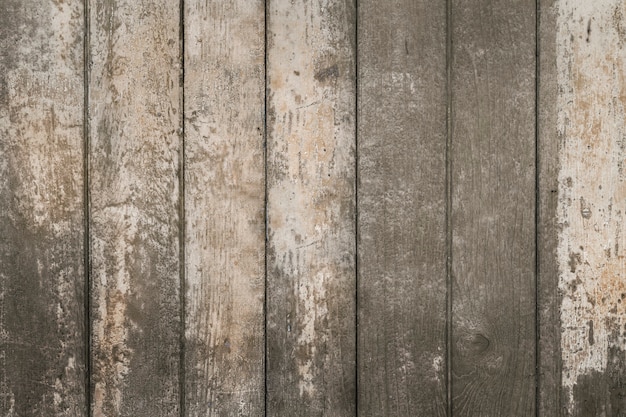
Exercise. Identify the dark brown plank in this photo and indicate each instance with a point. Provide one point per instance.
(135, 119)
(493, 207)
(42, 332)
(402, 208)
(224, 207)
(310, 206)
(548, 301)
(591, 209)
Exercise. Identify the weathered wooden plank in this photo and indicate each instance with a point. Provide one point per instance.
(224, 207)
(493, 207)
(548, 299)
(134, 122)
(402, 208)
(591, 126)
(310, 208)
(42, 332)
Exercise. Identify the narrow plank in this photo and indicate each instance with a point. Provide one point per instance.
(402, 208)
(493, 207)
(548, 302)
(134, 122)
(591, 126)
(310, 208)
(224, 207)
(42, 332)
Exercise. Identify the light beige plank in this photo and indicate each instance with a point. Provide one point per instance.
(591, 124)
(224, 207)
(311, 199)
(135, 117)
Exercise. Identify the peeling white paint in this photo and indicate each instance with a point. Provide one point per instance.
(311, 312)
(591, 63)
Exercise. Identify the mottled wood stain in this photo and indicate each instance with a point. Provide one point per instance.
(310, 208)
(440, 230)
(134, 124)
(591, 64)
(42, 361)
(224, 208)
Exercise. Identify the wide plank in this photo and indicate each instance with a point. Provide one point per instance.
(591, 128)
(135, 118)
(311, 208)
(492, 160)
(42, 320)
(402, 248)
(224, 208)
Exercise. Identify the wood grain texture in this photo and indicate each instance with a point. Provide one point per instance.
(310, 208)
(548, 146)
(42, 360)
(134, 123)
(493, 207)
(591, 124)
(402, 208)
(224, 207)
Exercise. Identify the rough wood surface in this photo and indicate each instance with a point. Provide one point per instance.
(591, 63)
(224, 207)
(42, 360)
(549, 142)
(311, 191)
(402, 208)
(135, 120)
(493, 207)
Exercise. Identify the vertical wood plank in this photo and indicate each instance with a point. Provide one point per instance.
(42, 360)
(591, 126)
(310, 208)
(402, 208)
(135, 117)
(225, 207)
(493, 207)
(549, 142)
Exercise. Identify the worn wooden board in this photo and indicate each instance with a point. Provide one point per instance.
(402, 208)
(42, 332)
(548, 145)
(134, 124)
(591, 125)
(224, 208)
(310, 208)
(493, 207)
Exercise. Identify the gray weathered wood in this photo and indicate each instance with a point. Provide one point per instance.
(224, 207)
(493, 207)
(591, 127)
(42, 332)
(311, 191)
(134, 123)
(402, 208)
(548, 301)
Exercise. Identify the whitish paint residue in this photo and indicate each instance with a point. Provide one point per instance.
(310, 185)
(592, 191)
(313, 311)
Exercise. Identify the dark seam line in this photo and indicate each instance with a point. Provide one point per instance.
(265, 214)
(448, 176)
(86, 211)
(537, 219)
(182, 218)
(356, 207)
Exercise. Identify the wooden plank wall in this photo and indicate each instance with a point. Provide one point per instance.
(312, 208)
